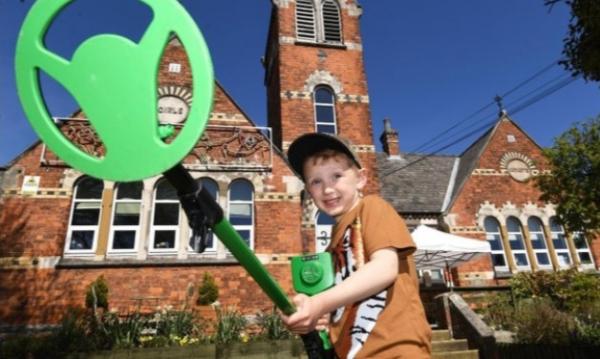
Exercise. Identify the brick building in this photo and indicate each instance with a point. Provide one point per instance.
(60, 230)
(487, 193)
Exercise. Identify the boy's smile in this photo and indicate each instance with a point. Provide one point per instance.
(333, 184)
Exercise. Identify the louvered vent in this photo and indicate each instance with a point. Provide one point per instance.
(331, 21)
(305, 20)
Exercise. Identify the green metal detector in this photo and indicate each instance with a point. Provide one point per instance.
(114, 80)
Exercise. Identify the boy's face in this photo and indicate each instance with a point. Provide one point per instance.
(333, 183)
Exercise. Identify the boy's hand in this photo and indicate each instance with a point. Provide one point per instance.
(323, 322)
(307, 316)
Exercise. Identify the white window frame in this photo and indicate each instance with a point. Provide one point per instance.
(240, 227)
(489, 235)
(514, 236)
(114, 227)
(539, 234)
(555, 237)
(586, 250)
(323, 104)
(154, 228)
(72, 228)
(215, 239)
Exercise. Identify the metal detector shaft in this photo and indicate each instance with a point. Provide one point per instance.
(202, 210)
(192, 195)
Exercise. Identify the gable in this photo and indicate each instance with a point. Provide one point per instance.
(503, 162)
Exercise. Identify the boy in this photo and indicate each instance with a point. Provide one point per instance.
(375, 307)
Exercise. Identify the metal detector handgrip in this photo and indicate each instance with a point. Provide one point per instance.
(201, 209)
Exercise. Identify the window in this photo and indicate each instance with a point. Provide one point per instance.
(321, 24)
(517, 243)
(332, 31)
(324, 101)
(305, 20)
(583, 250)
(241, 209)
(538, 242)
(85, 216)
(165, 219)
(212, 188)
(323, 231)
(125, 229)
(559, 241)
(494, 237)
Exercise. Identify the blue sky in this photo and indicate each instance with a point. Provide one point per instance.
(430, 64)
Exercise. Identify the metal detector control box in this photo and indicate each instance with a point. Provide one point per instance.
(312, 274)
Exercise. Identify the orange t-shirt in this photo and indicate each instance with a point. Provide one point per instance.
(389, 324)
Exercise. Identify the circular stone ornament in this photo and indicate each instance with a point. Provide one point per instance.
(518, 166)
(114, 81)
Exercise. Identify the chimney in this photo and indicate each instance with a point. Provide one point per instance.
(389, 139)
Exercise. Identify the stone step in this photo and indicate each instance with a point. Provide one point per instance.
(440, 334)
(459, 354)
(449, 345)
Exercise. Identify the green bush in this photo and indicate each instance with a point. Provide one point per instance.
(537, 321)
(208, 292)
(588, 322)
(499, 311)
(174, 323)
(569, 290)
(97, 293)
(271, 326)
(230, 326)
(73, 336)
(115, 332)
(549, 308)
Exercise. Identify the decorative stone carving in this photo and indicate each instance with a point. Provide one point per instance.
(229, 146)
(322, 77)
(518, 166)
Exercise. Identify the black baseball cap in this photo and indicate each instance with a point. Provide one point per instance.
(312, 143)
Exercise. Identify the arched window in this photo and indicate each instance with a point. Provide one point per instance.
(125, 222)
(323, 231)
(332, 29)
(241, 209)
(583, 250)
(517, 243)
(82, 235)
(305, 20)
(559, 240)
(324, 101)
(213, 188)
(319, 24)
(164, 231)
(494, 237)
(538, 242)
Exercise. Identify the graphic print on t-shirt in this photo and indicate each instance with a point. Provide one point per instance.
(359, 318)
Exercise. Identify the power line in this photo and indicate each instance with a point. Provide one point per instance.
(546, 93)
(559, 83)
(437, 138)
(564, 79)
(421, 158)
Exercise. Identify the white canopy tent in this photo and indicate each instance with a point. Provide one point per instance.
(440, 250)
(437, 249)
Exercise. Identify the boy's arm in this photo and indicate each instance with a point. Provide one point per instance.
(377, 274)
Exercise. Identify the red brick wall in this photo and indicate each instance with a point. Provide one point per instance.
(42, 296)
(294, 64)
(498, 190)
(32, 227)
